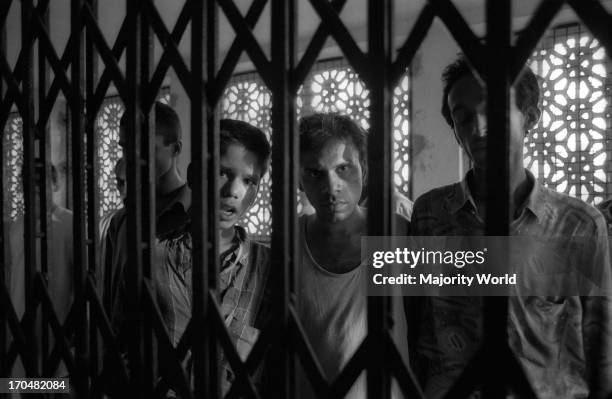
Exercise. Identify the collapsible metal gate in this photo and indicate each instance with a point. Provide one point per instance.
(497, 60)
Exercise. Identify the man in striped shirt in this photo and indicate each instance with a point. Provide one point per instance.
(562, 343)
(245, 264)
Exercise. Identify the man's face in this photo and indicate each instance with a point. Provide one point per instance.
(332, 179)
(468, 104)
(163, 153)
(239, 177)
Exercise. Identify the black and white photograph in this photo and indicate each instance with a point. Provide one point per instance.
(306, 199)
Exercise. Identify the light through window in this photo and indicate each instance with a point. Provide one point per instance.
(568, 149)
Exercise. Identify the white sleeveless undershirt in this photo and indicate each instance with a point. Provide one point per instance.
(332, 308)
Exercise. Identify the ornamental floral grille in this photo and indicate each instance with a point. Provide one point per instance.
(330, 87)
(13, 162)
(335, 87)
(109, 152)
(568, 149)
(401, 135)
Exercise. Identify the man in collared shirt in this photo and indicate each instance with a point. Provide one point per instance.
(173, 199)
(170, 189)
(104, 224)
(245, 264)
(562, 343)
(245, 301)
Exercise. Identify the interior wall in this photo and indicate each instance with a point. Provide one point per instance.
(436, 159)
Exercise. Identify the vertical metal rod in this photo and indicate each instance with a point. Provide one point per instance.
(380, 190)
(148, 207)
(211, 20)
(285, 158)
(290, 279)
(498, 14)
(91, 73)
(27, 115)
(205, 165)
(134, 273)
(199, 215)
(79, 204)
(3, 227)
(44, 148)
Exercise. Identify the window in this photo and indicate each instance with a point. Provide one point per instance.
(332, 86)
(569, 150)
(13, 162)
(108, 151)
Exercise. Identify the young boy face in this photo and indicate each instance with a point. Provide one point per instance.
(239, 176)
(332, 179)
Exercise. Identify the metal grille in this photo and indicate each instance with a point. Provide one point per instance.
(108, 151)
(380, 68)
(331, 86)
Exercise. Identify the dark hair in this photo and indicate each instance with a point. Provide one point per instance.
(120, 167)
(167, 123)
(527, 87)
(242, 133)
(316, 129)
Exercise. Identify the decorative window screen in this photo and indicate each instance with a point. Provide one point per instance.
(13, 162)
(569, 150)
(109, 152)
(331, 87)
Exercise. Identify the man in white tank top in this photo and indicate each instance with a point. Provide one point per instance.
(331, 276)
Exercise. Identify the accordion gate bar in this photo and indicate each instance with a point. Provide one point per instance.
(75, 74)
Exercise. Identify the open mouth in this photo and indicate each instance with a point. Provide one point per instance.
(227, 211)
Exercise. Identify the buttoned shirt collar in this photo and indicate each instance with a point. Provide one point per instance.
(461, 197)
(173, 216)
(239, 252)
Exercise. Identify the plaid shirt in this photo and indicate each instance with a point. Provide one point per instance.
(245, 302)
(243, 276)
(562, 343)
